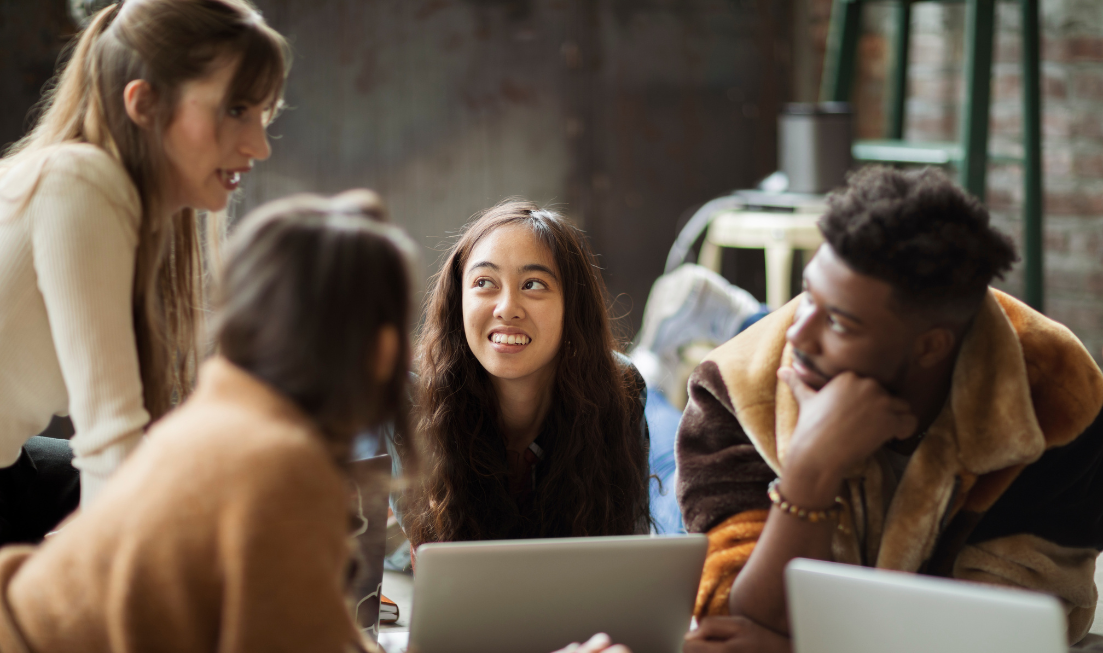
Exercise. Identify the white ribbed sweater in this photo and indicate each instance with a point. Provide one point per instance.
(69, 218)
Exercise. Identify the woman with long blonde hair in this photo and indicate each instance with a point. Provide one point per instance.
(160, 109)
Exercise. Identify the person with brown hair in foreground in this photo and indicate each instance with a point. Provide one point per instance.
(900, 414)
(229, 528)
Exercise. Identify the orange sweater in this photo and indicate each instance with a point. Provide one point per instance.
(226, 531)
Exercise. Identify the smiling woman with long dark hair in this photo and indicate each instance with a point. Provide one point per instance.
(532, 419)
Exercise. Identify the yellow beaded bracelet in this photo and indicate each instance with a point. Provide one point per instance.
(813, 516)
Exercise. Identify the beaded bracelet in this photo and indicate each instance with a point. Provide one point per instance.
(813, 516)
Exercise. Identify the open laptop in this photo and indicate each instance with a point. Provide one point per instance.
(537, 596)
(836, 608)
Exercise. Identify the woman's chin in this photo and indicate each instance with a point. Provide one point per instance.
(507, 370)
(212, 202)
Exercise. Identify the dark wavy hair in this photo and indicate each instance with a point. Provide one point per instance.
(594, 479)
(924, 235)
(308, 284)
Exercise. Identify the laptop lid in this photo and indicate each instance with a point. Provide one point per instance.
(536, 596)
(836, 608)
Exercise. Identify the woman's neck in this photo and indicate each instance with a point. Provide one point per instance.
(523, 404)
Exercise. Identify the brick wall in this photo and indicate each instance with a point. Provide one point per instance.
(1072, 107)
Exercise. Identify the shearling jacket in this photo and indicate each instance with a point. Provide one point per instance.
(1005, 488)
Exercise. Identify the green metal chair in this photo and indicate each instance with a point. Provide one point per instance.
(970, 155)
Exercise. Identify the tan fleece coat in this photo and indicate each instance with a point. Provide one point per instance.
(1021, 385)
(227, 531)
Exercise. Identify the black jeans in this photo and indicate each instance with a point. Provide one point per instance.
(38, 491)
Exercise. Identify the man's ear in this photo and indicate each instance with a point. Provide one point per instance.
(933, 346)
(140, 101)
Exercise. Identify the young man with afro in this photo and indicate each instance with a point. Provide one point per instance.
(900, 414)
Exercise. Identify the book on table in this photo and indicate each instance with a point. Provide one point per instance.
(388, 610)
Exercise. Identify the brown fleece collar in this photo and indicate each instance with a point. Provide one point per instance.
(1022, 383)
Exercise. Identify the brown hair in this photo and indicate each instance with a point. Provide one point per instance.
(308, 284)
(165, 43)
(594, 479)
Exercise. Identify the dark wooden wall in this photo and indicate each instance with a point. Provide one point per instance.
(624, 113)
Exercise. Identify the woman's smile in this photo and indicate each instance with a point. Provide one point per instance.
(231, 179)
(509, 341)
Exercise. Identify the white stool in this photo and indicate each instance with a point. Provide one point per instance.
(780, 234)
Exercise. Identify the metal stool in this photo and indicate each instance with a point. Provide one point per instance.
(970, 154)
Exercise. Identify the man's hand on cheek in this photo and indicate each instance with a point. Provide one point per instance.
(839, 427)
(734, 635)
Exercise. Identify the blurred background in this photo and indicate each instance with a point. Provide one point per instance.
(628, 115)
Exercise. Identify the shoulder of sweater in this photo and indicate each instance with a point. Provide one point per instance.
(261, 454)
(69, 163)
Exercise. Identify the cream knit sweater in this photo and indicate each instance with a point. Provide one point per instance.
(69, 218)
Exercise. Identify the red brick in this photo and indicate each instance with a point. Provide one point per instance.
(873, 53)
(1077, 281)
(1085, 48)
(1092, 244)
(1088, 166)
(1008, 121)
(1058, 162)
(1082, 316)
(1001, 199)
(940, 128)
(1007, 50)
(937, 88)
(1056, 124)
(1088, 84)
(1057, 242)
(1054, 87)
(1007, 86)
(930, 49)
(1089, 126)
(1073, 49)
(1073, 202)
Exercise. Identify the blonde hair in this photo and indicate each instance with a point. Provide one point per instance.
(165, 43)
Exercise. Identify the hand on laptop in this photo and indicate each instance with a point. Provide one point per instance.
(734, 635)
(599, 643)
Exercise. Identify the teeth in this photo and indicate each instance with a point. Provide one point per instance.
(512, 339)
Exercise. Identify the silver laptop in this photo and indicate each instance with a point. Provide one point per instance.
(537, 596)
(835, 608)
